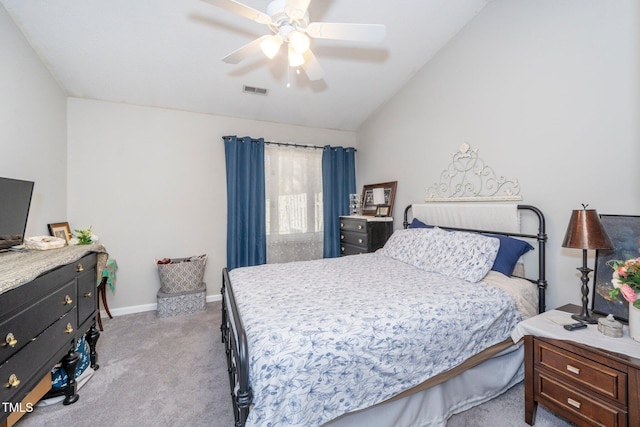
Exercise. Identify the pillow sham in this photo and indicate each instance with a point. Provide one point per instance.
(467, 256)
(408, 246)
(509, 253)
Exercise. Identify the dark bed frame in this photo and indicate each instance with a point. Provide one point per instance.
(235, 339)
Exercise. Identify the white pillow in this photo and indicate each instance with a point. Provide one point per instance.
(467, 256)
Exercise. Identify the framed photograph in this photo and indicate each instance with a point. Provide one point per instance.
(60, 229)
(368, 205)
(624, 232)
(382, 210)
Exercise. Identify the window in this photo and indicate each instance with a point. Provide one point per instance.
(294, 222)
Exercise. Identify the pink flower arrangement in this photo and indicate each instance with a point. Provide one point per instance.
(626, 280)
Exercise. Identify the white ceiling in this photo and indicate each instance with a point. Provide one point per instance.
(167, 53)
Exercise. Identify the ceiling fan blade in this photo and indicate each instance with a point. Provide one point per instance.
(245, 51)
(242, 10)
(354, 32)
(296, 9)
(312, 67)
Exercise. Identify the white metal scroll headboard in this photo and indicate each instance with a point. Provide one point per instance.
(469, 179)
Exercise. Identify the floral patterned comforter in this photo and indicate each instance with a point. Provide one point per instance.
(332, 336)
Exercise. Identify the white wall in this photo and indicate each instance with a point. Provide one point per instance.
(549, 92)
(33, 134)
(152, 184)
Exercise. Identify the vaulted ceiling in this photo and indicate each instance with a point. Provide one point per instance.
(167, 53)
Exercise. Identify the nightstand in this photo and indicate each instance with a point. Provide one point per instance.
(584, 376)
(362, 234)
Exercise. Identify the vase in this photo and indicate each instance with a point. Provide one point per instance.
(634, 322)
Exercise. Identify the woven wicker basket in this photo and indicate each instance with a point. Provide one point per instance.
(182, 274)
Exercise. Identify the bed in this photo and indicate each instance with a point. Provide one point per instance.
(381, 339)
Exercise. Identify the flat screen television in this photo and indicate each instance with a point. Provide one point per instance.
(15, 199)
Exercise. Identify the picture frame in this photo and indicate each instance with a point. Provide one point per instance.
(382, 210)
(368, 207)
(60, 229)
(624, 232)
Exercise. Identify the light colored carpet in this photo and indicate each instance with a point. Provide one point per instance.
(172, 372)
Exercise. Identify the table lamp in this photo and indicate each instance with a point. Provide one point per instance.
(585, 231)
(378, 200)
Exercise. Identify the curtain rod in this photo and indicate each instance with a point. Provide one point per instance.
(291, 144)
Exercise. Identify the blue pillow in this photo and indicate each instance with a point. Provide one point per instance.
(416, 223)
(510, 251)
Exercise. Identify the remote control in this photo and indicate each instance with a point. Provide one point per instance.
(574, 326)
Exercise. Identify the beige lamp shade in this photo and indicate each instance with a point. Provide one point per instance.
(378, 196)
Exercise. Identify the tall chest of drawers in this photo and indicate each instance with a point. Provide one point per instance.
(362, 234)
(40, 322)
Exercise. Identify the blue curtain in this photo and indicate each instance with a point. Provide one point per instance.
(246, 231)
(338, 181)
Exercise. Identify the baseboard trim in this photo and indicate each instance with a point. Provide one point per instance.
(121, 311)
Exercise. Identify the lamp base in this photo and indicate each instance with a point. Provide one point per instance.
(584, 318)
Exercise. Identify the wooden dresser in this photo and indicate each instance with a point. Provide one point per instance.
(362, 234)
(40, 322)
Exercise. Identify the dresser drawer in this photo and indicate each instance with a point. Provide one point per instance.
(25, 365)
(575, 404)
(353, 224)
(16, 300)
(346, 249)
(87, 295)
(586, 373)
(353, 238)
(21, 328)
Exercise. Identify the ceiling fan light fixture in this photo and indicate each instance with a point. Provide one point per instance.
(290, 24)
(270, 46)
(299, 41)
(295, 59)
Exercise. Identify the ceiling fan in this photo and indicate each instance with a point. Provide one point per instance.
(289, 22)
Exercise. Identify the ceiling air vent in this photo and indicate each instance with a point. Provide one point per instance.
(255, 90)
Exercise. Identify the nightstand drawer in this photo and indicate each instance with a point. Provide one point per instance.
(586, 373)
(357, 239)
(575, 404)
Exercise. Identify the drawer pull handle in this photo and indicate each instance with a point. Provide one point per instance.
(574, 403)
(79, 268)
(359, 227)
(573, 369)
(13, 381)
(67, 300)
(69, 328)
(341, 225)
(342, 237)
(342, 249)
(10, 340)
(88, 295)
(359, 240)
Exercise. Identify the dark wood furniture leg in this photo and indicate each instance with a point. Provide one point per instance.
(69, 363)
(103, 296)
(92, 338)
(530, 405)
